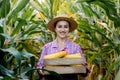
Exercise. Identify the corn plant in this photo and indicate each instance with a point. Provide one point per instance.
(100, 30)
(18, 47)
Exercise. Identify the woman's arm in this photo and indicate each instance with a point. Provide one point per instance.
(40, 63)
(79, 50)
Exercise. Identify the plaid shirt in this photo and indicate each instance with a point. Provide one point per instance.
(52, 47)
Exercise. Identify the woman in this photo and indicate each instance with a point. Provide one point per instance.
(61, 26)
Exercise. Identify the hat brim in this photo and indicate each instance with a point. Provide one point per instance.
(73, 24)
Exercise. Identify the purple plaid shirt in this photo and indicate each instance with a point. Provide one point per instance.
(52, 47)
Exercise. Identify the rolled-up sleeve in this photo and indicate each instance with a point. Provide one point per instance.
(79, 50)
(40, 63)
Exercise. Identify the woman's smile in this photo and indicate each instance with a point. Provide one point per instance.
(62, 33)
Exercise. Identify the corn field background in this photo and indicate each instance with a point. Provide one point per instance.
(23, 32)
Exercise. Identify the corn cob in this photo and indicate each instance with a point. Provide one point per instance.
(51, 66)
(55, 55)
(77, 65)
(77, 55)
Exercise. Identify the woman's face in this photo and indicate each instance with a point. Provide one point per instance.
(62, 29)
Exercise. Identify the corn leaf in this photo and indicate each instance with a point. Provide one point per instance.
(13, 52)
(17, 8)
(18, 27)
(7, 72)
(118, 75)
(4, 8)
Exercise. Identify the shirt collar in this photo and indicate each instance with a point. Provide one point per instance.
(55, 43)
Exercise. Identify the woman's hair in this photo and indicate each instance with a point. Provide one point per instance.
(60, 20)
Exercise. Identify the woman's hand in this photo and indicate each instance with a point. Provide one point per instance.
(41, 72)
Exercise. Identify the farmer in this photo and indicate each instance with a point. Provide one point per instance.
(61, 26)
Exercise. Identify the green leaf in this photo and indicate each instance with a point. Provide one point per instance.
(54, 74)
(6, 36)
(3, 61)
(79, 1)
(15, 53)
(24, 71)
(30, 29)
(4, 8)
(87, 9)
(96, 40)
(7, 78)
(104, 36)
(34, 32)
(2, 39)
(32, 59)
(7, 72)
(18, 27)
(27, 48)
(2, 22)
(26, 54)
(27, 13)
(55, 6)
(109, 7)
(117, 22)
(51, 73)
(17, 8)
(112, 67)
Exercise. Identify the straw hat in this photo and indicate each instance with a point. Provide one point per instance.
(73, 24)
